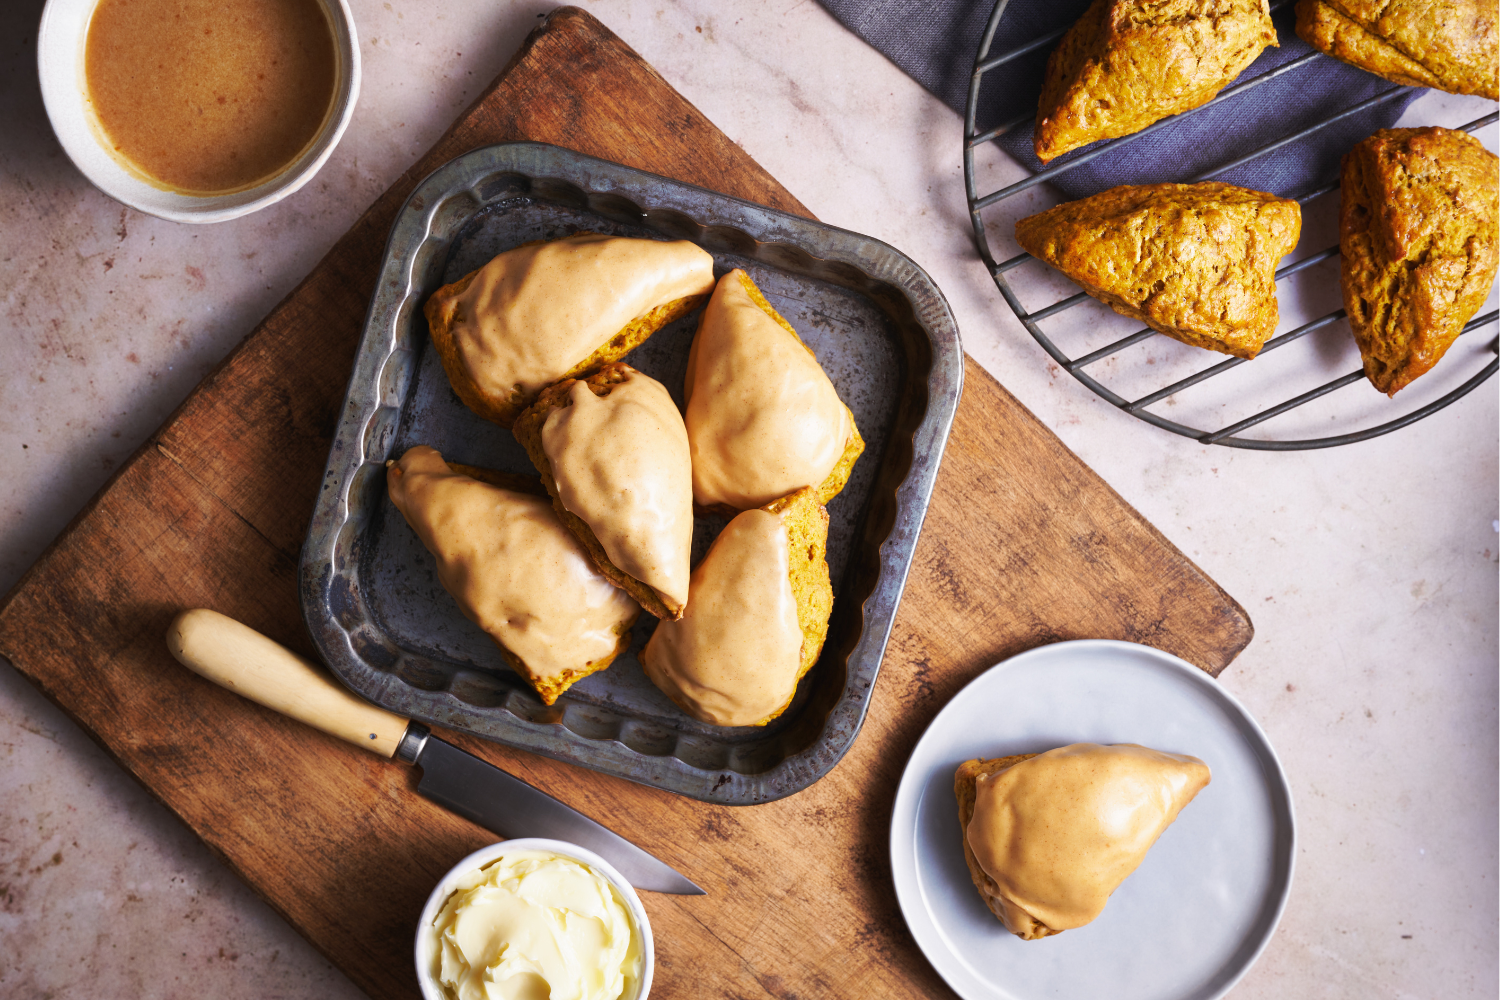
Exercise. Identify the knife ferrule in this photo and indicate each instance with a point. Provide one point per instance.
(412, 742)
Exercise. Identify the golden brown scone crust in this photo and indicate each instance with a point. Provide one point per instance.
(528, 431)
(550, 689)
(441, 310)
(1196, 262)
(1417, 231)
(965, 788)
(806, 521)
(547, 689)
(853, 447)
(1128, 63)
(1452, 45)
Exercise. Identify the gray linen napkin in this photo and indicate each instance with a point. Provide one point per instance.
(935, 41)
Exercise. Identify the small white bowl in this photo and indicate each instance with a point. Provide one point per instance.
(433, 990)
(59, 55)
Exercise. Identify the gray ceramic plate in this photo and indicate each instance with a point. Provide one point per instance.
(1199, 910)
(880, 328)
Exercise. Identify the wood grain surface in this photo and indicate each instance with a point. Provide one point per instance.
(1023, 545)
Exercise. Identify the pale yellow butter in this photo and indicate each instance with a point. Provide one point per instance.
(535, 925)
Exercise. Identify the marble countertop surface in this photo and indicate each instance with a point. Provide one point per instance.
(1370, 571)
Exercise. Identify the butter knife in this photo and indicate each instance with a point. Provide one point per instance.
(238, 658)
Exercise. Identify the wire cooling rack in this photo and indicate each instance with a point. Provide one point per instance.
(1163, 383)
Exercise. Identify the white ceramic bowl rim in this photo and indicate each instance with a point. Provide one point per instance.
(59, 53)
(432, 990)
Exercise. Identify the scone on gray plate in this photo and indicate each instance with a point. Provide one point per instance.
(1048, 837)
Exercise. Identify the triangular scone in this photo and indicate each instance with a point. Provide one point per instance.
(1128, 63)
(1196, 262)
(515, 571)
(1417, 232)
(613, 453)
(1048, 837)
(1452, 45)
(557, 309)
(763, 419)
(756, 618)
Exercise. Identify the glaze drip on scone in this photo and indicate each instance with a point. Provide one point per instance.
(763, 419)
(492, 546)
(534, 312)
(733, 658)
(621, 464)
(1059, 832)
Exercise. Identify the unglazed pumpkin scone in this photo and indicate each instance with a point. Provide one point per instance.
(763, 419)
(557, 309)
(613, 453)
(756, 617)
(515, 571)
(1128, 63)
(1196, 262)
(1417, 233)
(1453, 45)
(1048, 837)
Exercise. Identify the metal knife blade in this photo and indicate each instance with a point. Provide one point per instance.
(482, 793)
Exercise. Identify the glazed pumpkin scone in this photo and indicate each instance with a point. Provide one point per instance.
(515, 571)
(552, 310)
(1196, 262)
(756, 617)
(1048, 837)
(1453, 45)
(1128, 63)
(762, 417)
(613, 453)
(1417, 233)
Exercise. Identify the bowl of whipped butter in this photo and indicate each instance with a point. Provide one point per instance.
(534, 919)
(198, 110)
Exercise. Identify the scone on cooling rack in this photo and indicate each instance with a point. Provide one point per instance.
(514, 570)
(1452, 45)
(613, 453)
(558, 309)
(1196, 262)
(1128, 63)
(1417, 233)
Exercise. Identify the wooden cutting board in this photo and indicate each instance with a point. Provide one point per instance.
(1023, 545)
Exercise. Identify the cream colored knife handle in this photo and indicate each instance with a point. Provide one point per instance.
(237, 657)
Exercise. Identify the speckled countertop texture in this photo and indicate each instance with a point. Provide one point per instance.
(1370, 571)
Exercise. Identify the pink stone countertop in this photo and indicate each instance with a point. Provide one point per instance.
(1370, 570)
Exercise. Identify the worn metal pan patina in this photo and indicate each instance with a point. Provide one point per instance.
(370, 595)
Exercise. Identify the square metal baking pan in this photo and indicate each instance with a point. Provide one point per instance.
(370, 595)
